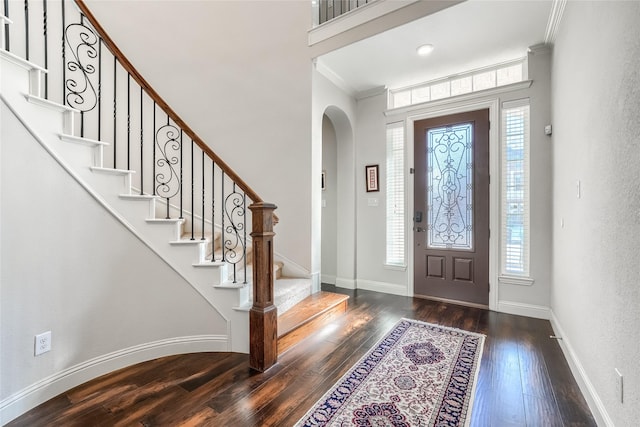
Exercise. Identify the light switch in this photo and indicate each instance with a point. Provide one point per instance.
(578, 189)
(324, 203)
(372, 201)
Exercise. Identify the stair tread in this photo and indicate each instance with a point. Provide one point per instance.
(81, 140)
(137, 196)
(163, 220)
(34, 99)
(27, 65)
(111, 170)
(307, 310)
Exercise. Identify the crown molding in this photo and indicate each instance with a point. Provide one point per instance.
(555, 16)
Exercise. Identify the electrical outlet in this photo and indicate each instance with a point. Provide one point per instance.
(619, 386)
(43, 343)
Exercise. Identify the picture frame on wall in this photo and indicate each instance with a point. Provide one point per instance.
(372, 178)
(324, 182)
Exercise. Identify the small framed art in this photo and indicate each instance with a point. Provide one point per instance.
(372, 178)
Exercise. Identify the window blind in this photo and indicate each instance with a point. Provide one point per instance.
(515, 188)
(395, 244)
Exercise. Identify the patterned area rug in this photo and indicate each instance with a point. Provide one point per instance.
(419, 374)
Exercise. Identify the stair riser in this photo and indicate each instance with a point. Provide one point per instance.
(14, 76)
(75, 155)
(108, 186)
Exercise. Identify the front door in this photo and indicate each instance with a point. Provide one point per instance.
(451, 222)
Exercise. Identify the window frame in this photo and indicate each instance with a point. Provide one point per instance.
(508, 272)
(395, 187)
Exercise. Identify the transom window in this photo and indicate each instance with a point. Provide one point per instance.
(460, 84)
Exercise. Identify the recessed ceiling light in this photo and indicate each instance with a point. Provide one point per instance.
(425, 49)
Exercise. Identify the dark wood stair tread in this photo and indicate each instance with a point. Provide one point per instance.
(307, 316)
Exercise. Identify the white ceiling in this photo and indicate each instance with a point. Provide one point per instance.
(467, 36)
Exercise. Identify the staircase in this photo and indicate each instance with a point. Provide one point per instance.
(204, 233)
(140, 161)
(193, 251)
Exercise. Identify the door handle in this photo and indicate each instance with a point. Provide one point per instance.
(419, 229)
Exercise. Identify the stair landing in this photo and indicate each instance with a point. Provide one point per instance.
(308, 316)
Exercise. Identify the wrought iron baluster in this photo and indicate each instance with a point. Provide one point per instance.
(80, 92)
(46, 49)
(64, 57)
(154, 145)
(128, 121)
(7, 46)
(213, 211)
(244, 237)
(141, 144)
(81, 112)
(168, 198)
(202, 238)
(235, 237)
(99, 89)
(192, 193)
(167, 181)
(26, 28)
(181, 173)
(115, 111)
(222, 239)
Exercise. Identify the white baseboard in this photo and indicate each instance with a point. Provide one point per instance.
(586, 387)
(387, 288)
(328, 278)
(51, 386)
(521, 309)
(345, 283)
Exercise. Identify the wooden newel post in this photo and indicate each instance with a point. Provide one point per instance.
(263, 317)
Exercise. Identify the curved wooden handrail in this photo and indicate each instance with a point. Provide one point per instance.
(126, 64)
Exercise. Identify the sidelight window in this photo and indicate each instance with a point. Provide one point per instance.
(395, 253)
(515, 188)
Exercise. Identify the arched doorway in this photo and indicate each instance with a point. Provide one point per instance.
(338, 200)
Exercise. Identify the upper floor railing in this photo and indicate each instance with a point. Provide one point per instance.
(116, 105)
(330, 9)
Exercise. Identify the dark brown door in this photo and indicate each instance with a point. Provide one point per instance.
(451, 222)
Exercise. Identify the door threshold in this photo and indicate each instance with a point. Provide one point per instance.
(453, 301)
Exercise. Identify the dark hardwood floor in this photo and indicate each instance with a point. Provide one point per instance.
(524, 379)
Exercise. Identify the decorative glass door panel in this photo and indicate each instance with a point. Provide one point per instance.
(451, 198)
(450, 187)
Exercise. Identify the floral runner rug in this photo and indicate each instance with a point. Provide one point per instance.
(419, 374)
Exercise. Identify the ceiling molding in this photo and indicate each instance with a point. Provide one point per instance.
(539, 49)
(379, 90)
(555, 16)
(333, 77)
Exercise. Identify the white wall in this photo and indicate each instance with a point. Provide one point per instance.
(371, 220)
(340, 107)
(596, 104)
(370, 148)
(239, 73)
(69, 267)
